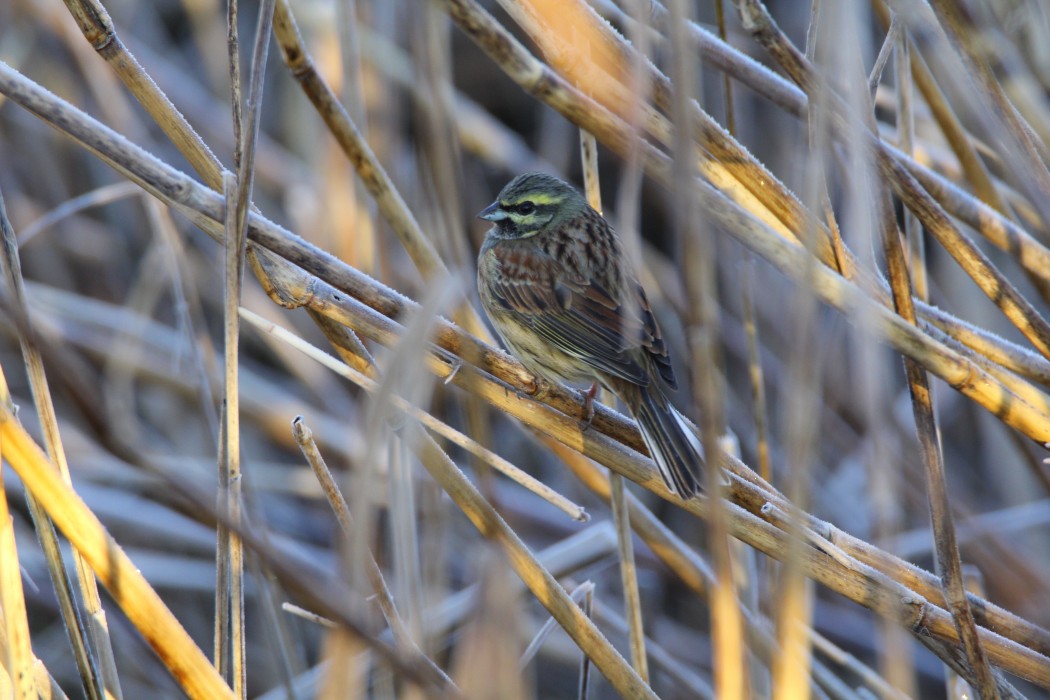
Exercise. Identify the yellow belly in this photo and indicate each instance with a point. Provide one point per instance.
(539, 355)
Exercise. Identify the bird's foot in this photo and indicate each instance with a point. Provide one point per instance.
(588, 406)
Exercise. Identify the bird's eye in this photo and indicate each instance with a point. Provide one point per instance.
(526, 208)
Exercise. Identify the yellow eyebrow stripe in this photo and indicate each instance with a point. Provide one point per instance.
(538, 198)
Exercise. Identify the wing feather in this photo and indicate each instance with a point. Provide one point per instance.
(576, 316)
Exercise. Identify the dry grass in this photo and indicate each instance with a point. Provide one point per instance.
(342, 449)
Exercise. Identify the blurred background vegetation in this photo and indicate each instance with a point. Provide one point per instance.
(125, 304)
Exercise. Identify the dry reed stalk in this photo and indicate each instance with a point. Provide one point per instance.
(91, 644)
(1000, 377)
(189, 666)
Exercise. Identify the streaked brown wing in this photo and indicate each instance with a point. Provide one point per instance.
(653, 340)
(575, 315)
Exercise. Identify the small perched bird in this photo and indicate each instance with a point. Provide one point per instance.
(554, 283)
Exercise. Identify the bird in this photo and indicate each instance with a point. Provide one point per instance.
(556, 286)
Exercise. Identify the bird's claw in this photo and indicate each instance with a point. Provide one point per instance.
(588, 406)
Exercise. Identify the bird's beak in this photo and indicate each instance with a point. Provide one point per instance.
(492, 212)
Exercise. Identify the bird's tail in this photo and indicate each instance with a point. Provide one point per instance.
(672, 442)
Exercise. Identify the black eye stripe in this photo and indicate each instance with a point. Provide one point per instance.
(525, 207)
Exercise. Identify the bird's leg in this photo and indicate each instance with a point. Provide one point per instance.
(588, 405)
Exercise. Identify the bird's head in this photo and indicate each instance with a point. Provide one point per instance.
(532, 203)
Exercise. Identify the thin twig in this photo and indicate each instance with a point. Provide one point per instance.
(98, 29)
(402, 636)
(375, 178)
(585, 662)
(307, 615)
(582, 595)
(426, 419)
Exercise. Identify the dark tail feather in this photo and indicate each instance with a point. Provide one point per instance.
(674, 446)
